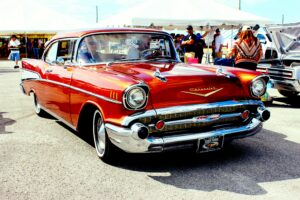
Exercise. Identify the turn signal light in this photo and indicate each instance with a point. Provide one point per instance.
(160, 125)
(245, 114)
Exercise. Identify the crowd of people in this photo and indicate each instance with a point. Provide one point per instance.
(246, 51)
(191, 46)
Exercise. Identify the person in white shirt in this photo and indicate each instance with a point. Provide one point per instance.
(13, 46)
(218, 44)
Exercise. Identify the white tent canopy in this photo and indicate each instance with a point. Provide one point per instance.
(24, 18)
(178, 14)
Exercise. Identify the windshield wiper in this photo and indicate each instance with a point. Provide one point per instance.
(163, 58)
(123, 60)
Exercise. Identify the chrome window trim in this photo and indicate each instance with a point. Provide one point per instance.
(58, 40)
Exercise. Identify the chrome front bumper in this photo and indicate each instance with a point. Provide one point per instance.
(125, 139)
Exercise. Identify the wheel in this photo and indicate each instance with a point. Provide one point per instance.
(288, 94)
(104, 148)
(37, 107)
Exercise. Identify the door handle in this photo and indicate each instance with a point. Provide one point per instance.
(49, 70)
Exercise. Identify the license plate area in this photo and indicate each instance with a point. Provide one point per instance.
(209, 144)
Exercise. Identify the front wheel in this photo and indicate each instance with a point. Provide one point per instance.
(289, 94)
(104, 148)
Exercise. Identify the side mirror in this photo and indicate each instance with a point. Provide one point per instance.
(60, 61)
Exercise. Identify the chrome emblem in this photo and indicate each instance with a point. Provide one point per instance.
(196, 91)
(203, 118)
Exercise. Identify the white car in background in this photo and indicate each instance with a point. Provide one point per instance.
(284, 69)
(269, 49)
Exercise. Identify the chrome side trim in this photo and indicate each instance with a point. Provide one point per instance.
(31, 75)
(83, 91)
(188, 108)
(123, 138)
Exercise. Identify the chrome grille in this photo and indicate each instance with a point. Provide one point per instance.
(187, 118)
(278, 73)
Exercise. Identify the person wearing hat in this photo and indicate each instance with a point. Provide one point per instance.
(13, 46)
(188, 44)
(218, 44)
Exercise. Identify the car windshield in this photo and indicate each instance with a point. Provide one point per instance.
(125, 47)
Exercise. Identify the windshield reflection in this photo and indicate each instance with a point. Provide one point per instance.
(125, 47)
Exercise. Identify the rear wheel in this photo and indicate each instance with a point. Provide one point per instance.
(288, 94)
(104, 148)
(37, 107)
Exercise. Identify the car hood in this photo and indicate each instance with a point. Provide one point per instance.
(182, 84)
(287, 40)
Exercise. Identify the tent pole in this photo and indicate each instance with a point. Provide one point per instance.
(231, 37)
(26, 45)
(207, 53)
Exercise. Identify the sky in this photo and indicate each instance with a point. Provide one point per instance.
(85, 11)
(270, 9)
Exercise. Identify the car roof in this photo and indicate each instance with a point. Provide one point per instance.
(81, 33)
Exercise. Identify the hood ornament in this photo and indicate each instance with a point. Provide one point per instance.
(158, 75)
(220, 72)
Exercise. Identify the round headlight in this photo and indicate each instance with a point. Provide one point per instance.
(258, 87)
(135, 98)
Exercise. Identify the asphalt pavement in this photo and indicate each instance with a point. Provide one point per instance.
(40, 158)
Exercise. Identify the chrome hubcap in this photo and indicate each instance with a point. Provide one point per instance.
(99, 133)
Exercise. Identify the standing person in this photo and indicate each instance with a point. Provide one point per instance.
(200, 44)
(1, 48)
(35, 48)
(13, 46)
(29, 48)
(188, 44)
(218, 44)
(247, 50)
(177, 43)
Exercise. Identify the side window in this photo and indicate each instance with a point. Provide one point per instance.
(52, 53)
(65, 49)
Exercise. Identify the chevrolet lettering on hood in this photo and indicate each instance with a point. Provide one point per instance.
(204, 92)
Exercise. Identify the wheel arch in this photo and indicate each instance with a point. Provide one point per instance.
(86, 114)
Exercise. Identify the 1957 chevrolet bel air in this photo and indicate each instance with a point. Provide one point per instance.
(128, 88)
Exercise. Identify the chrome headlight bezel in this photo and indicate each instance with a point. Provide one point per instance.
(258, 86)
(139, 89)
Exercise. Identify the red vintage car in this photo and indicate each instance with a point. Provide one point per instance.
(128, 88)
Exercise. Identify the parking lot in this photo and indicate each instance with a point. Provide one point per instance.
(40, 158)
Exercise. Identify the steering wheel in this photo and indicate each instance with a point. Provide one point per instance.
(150, 53)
